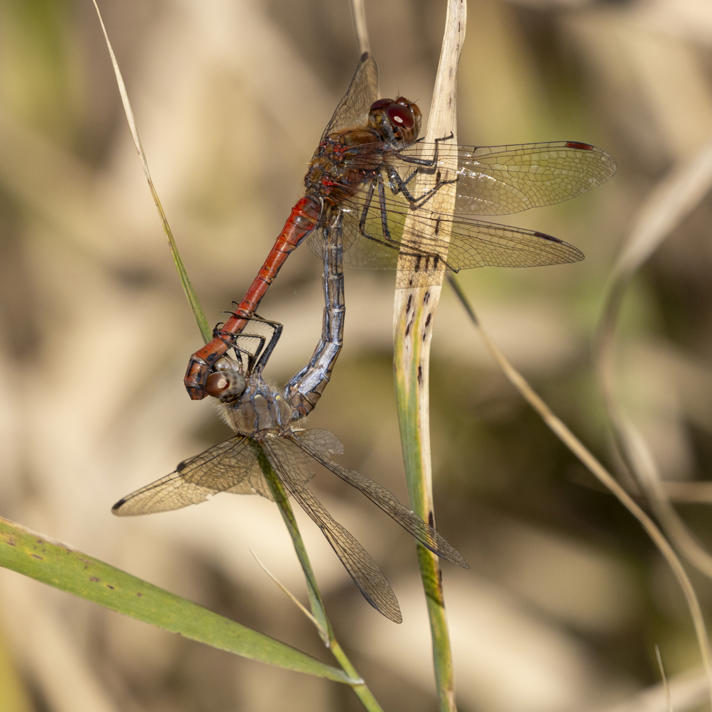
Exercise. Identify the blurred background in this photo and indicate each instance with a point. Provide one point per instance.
(566, 598)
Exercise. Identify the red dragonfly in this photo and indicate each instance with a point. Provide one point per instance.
(268, 425)
(359, 182)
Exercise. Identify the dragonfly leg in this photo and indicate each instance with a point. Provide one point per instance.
(368, 199)
(257, 357)
(398, 184)
(404, 247)
(426, 162)
(252, 357)
(231, 340)
(226, 378)
(263, 353)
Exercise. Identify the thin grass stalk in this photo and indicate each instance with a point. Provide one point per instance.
(667, 206)
(285, 509)
(316, 602)
(675, 196)
(586, 457)
(358, 12)
(190, 295)
(416, 300)
(276, 488)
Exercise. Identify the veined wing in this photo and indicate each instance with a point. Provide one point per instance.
(498, 180)
(473, 243)
(321, 441)
(229, 466)
(381, 497)
(290, 464)
(352, 110)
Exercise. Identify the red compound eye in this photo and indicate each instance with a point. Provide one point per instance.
(381, 104)
(400, 116)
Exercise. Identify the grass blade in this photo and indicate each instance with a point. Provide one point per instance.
(57, 565)
(188, 290)
(317, 604)
(586, 457)
(413, 310)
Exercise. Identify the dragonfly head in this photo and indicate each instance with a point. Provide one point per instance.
(396, 120)
(227, 382)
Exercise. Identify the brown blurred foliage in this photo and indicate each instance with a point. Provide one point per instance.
(566, 597)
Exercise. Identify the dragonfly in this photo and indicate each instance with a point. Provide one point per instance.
(361, 181)
(267, 426)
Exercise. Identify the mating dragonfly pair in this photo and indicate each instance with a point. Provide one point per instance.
(267, 424)
(359, 193)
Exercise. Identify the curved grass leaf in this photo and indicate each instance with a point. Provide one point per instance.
(56, 564)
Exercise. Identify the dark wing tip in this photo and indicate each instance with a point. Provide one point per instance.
(606, 158)
(573, 254)
(118, 505)
(550, 238)
(580, 145)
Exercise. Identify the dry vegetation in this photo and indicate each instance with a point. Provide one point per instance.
(566, 599)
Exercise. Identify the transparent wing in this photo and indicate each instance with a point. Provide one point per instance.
(473, 243)
(321, 441)
(229, 466)
(499, 180)
(353, 108)
(490, 180)
(290, 464)
(385, 500)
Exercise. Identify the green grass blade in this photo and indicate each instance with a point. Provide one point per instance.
(317, 604)
(285, 509)
(188, 290)
(77, 573)
(411, 385)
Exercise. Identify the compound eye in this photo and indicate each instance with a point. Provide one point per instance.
(226, 386)
(227, 382)
(401, 116)
(380, 105)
